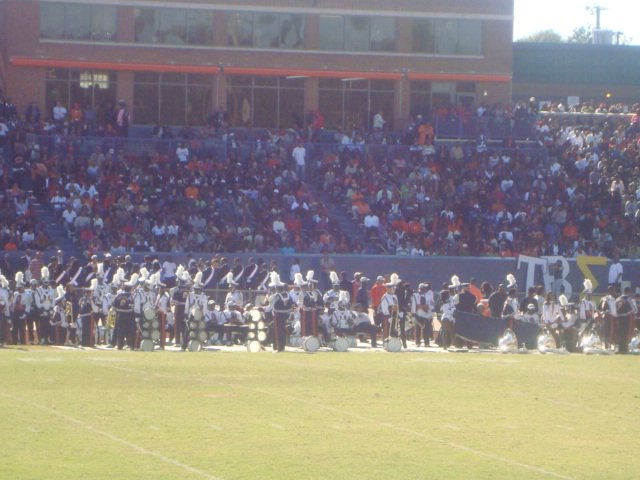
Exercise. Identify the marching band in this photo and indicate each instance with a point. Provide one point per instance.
(118, 306)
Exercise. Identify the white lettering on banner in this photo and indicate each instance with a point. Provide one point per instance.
(543, 262)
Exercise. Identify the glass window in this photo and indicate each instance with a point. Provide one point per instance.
(199, 79)
(174, 78)
(446, 37)
(421, 85)
(94, 91)
(423, 36)
(172, 28)
(331, 102)
(240, 80)
(266, 31)
(146, 25)
(145, 77)
(469, 87)
(199, 104)
(199, 27)
(265, 81)
(104, 23)
(239, 100)
(51, 20)
(291, 31)
(77, 22)
(383, 34)
(145, 104)
(470, 37)
(330, 83)
(356, 34)
(172, 104)
(265, 107)
(292, 83)
(291, 108)
(331, 32)
(240, 29)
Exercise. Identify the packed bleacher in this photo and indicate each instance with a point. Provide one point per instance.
(525, 181)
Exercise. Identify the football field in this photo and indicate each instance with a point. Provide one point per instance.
(103, 414)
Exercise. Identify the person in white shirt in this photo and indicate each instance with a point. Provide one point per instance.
(59, 113)
(299, 154)
(182, 152)
(552, 316)
(615, 272)
(379, 121)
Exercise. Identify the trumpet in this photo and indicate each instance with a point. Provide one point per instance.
(111, 318)
(68, 314)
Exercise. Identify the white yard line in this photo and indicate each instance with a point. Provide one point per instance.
(362, 418)
(112, 437)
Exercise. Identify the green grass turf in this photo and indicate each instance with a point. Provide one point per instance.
(168, 415)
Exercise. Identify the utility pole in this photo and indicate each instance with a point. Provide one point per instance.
(596, 10)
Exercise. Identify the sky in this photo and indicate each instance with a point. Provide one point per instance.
(563, 16)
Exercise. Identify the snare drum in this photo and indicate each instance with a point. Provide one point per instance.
(262, 336)
(393, 344)
(295, 341)
(155, 335)
(311, 344)
(202, 336)
(340, 344)
(353, 341)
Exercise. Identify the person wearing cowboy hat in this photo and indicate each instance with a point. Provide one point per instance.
(282, 306)
(390, 308)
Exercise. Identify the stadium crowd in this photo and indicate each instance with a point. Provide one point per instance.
(574, 189)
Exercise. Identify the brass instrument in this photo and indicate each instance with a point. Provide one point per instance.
(111, 318)
(68, 314)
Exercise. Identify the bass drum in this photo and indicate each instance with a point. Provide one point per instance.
(393, 345)
(340, 344)
(146, 345)
(196, 314)
(194, 345)
(254, 346)
(149, 313)
(311, 344)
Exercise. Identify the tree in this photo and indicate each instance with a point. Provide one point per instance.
(581, 35)
(543, 36)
